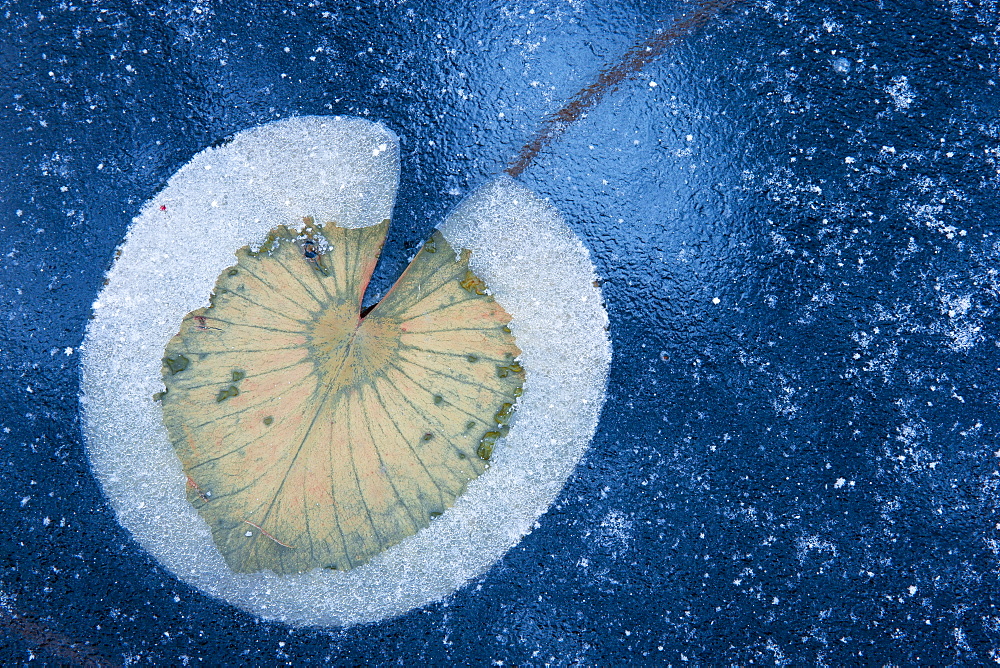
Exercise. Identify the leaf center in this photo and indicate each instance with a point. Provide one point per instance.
(349, 350)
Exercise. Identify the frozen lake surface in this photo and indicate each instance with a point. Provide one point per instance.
(794, 215)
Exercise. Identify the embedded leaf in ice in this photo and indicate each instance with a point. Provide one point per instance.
(317, 435)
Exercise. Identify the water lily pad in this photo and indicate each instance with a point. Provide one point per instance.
(314, 434)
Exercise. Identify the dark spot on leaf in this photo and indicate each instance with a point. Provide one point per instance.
(485, 449)
(176, 363)
(230, 391)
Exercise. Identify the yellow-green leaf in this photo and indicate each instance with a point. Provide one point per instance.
(315, 437)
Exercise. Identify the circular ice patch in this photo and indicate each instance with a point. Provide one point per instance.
(344, 170)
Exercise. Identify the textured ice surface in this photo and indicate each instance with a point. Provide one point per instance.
(344, 170)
